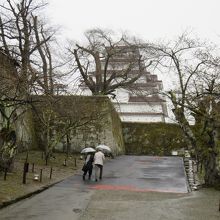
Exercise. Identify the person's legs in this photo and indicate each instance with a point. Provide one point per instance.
(90, 173)
(84, 174)
(96, 172)
(101, 169)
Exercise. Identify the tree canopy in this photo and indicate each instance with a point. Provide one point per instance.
(107, 62)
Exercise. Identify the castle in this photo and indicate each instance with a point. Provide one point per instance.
(140, 101)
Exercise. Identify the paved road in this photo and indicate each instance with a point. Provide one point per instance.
(133, 187)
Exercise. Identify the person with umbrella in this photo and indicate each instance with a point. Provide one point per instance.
(88, 165)
(99, 158)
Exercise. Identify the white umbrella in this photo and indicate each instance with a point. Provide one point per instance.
(104, 148)
(88, 150)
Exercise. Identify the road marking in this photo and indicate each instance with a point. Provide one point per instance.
(130, 188)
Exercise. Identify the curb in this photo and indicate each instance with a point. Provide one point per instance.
(10, 202)
(187, 180)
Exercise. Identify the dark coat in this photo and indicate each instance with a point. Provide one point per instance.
(89, 164)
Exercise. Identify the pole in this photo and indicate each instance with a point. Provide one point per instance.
(5, 173)
(51, 171)
(219, 206)
(24, 173)
(41, 174)
(32, 167)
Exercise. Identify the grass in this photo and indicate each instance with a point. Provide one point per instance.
(12, 187)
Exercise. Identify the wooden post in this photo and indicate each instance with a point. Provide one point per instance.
(5, 173)
(41, 174)
(51, 171)
(32, 167)
(24, 173)
(75, 162)
(219, 206)
(26, 167)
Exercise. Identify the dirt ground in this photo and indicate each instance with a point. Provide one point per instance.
(13, 188)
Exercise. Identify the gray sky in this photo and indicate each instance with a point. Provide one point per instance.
(147, 19)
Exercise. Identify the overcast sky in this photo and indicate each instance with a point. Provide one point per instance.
(147, 19)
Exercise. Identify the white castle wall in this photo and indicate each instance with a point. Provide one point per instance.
(142, 118)
(142, 107)
(122, 95)
(137, 110)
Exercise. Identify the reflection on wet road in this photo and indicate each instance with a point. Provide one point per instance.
(141, 173)
(70, 198)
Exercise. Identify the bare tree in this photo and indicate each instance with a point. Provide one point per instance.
(11, 108)
(59, 122)
(99, 61)
(196, 71)
(25, 37)
(26, 61)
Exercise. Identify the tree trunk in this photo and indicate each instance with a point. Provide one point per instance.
(212, 176)
(67, 145)
(46, 159)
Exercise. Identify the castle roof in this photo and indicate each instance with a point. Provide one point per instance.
(145, 99)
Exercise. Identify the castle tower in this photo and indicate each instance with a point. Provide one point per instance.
(140, 101)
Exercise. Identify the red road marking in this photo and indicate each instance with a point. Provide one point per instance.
(128, 188)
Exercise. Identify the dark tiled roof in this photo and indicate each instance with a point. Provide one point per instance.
(145, 99)
(141, 113)
(123, 60)
(144, 85)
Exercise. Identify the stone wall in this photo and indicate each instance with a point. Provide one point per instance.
(152, 138)
(102, 123)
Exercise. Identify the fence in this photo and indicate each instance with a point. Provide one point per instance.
(38, 173)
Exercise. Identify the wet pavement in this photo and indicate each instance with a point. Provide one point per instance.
(143, 174)
(133, 187)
